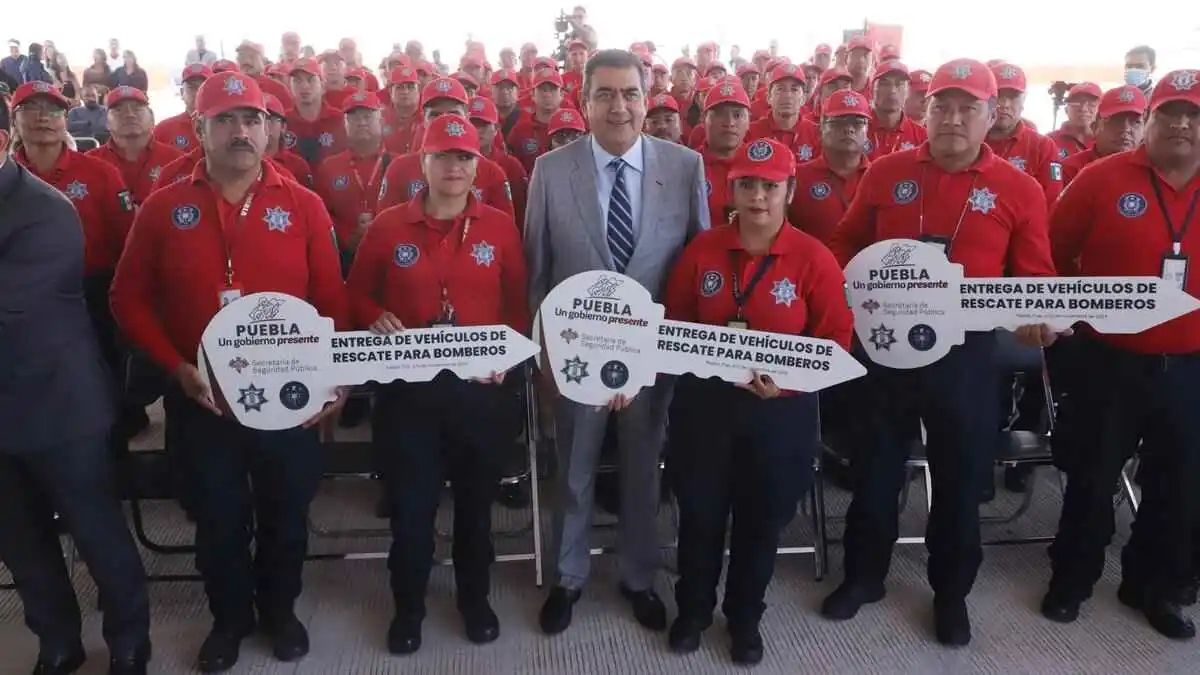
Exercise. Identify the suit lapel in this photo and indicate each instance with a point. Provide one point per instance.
(583, 188)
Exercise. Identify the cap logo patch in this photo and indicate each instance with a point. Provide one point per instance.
(726, 89)
(477, 105)
(359, 97)
(443, 85)
(1184, 80)
(961, 71)
(760, 151)
(1008, 72)
(567, 116)
(1126, 96)
(41, 87)
(850, 100)
(406, 72)
(234, 86)
(926, 77)
(124, 90)
(455, 129)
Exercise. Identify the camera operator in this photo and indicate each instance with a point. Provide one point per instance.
(580, 29)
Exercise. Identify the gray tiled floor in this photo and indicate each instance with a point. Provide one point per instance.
(347, 607)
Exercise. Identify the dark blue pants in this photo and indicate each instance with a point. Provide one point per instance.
(428, 432)
(247, 485)
(956, 399)
(1130, 399)
(76, 481)
(730, 452)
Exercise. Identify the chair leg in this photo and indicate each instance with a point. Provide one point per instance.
(820, 541)
(1130, 493)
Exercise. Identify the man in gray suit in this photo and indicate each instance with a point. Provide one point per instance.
(620, 201)
(56, 410)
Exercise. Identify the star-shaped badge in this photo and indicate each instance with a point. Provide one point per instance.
(484, 254)
(784, 291)
(277, 219)
(982, 200)
(252, 398)
(883, 337)
(76, 190)
(575, 370)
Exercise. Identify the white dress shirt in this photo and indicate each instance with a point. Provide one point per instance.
(606, 176)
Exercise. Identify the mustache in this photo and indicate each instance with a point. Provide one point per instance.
(241, 144)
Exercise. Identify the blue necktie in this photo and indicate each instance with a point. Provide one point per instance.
(620, 218)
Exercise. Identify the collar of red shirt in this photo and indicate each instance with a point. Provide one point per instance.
(112, 148)
(270, 175)
(982, 163)
(874, 124)
(822, 162)
(61, 164)
(711, 158)
(413, 211)
(786, 241)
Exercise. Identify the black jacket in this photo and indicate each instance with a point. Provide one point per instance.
(54, 387)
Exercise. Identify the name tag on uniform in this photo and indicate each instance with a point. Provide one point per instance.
(228, 295)
(940, 243)
(1175, 269)
(738, 323)
(364, 219)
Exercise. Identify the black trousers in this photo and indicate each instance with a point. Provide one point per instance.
(427, 432)
(731, 453)
(956, 399)
(76, 481)
(245, 486)
(1130, 399)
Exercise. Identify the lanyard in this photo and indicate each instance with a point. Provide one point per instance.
(227, 232)
(740, 297)
(1176, 235)
(363, 202)
(441, 268)
(961, 216)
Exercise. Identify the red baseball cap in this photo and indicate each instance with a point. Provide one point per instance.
(823, 49)
(765, 158)
(451, 133)
(787, 71)
(31, 90)
(715, 66)
(1085, 89)
(545, 62)
(1009, 76)
(424, 67)
(356, 74)
(307, 66)
(707, 47)
(834, 74)
(274, 107)
(361, 99)
(224, 92)
(565, 119)
(466, 80)
(444, 87)
(726, 90)
(684, 62)
(501, 76)
(841, 49)
(471, 60)
(662, 101)
(330, 55)
(891, 68)
(966, 75)
(1177, 85)
(662, 68)
(225, 66)
(860, 42)
(889, 52)
(402, 75)
(280, 69)
(125, 93)
(528, 47)
(747, 69)
(194, 70)
(1124, 99)
(920, 79)
(549, 78)
(576, 44)
(484, 110)
(844, 103)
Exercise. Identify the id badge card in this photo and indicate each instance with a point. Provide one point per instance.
(940, 243)
(740, 324)
(364, 219)
(228, 295)
(1175, 269)
(442, 323)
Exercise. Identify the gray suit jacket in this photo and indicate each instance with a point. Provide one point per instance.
(54, 386)
(564, 231)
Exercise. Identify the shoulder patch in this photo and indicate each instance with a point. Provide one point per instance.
(185, 216)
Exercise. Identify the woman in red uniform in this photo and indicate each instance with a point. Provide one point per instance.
(441, 258)
(745, 449)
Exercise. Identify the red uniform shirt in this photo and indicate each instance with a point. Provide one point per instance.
(404, 179)
(277, 89)
(407, 258)
(716, 183)
(804, 138)
(139, 175)
(398, 134)
(314, 140)
(698, 138)
(181, 168)
(518, 179)
(993, 214)
(1110, 223)
(336, 98)
(1034, 154)
(178, 132)
(297, 169)
(802, 291)
(822, 197)
(1075, 163)
(1067, 142)
(104, 204)
(906, 136)
(572, 89)
(760, 108)
(344, 183)
(169, 281)
(529, 139)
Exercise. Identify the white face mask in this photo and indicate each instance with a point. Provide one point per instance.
(1136, 76)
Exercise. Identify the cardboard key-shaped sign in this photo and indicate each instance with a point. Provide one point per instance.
(604, 335)
(911, 304)
(273, 362)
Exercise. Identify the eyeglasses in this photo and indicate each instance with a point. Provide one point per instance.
(41, 109)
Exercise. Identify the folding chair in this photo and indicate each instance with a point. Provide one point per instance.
(85, 143)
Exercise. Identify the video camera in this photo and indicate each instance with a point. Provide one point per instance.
(562, 32)
(1058, 92)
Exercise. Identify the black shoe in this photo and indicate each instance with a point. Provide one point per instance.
(745, 645)
(1016, 478)
(222, 648)
(845, 601)
(1168, 619)
(404, 635)
(648, 608)
(1188, 594)
(61, 662)
(354, 412)
(684, 637)
(514, 495)
(951, 623)
(482, 624)
(289, 638)
(1060, 607)
(130, 664)
(1131, 596)
(555, 616)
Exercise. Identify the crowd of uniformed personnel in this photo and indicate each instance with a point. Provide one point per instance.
(398, 202)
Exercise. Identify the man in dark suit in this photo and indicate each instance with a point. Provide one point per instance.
(56, 410)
